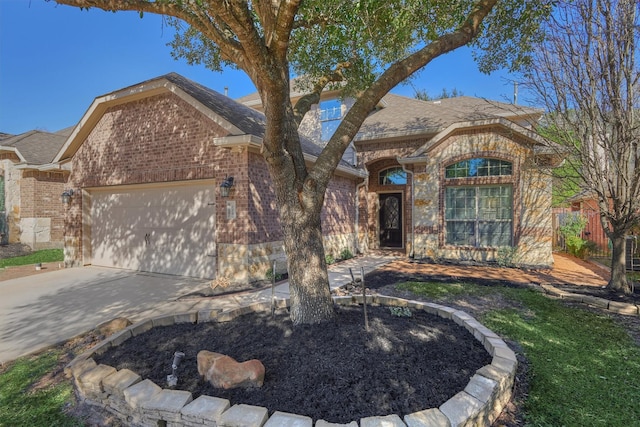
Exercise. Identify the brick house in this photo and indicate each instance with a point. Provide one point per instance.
(30, 189)
(150, 165)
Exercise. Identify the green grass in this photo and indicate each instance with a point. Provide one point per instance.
(22, 404)
(45, 255)
(584, 368)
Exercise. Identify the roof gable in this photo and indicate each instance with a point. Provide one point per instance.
(230, 115)
(541, 146)
(237, 119)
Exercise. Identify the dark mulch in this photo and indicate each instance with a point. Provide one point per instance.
(13, 250)
(337, 372)
(605, 293)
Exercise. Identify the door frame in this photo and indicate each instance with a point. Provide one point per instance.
(401, 195)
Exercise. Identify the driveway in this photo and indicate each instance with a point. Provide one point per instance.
(41, 310)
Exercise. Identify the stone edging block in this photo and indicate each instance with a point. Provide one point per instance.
(614, 306)
(144, 402)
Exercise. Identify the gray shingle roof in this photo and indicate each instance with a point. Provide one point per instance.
(35, 146)
(247, 119)
(408, 116)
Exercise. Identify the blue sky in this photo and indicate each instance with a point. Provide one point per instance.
(54, 60)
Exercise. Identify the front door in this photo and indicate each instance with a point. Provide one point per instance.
(391, 220)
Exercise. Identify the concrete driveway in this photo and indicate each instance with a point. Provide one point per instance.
(38, 311)
(45, 309)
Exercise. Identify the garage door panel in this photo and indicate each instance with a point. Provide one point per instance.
(162, 230)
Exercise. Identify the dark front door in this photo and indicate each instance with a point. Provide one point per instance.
(391, 220)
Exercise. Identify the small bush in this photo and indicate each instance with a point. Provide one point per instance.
(400, 311)
(270, 276)
(505, 256)
(346, 254)
(329, 259)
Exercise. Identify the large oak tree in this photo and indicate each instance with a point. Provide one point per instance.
(586, 72)
(367, 47)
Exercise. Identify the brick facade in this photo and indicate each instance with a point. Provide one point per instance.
(34, 212)
(164, 139)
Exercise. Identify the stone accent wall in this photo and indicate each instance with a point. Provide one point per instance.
(12, 178)
(42, 213)
(531, 197)
(34, 212)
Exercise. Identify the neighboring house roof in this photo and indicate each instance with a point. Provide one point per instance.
(238, 119)
(35, 147)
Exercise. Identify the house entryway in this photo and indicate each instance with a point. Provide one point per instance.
(390, 220)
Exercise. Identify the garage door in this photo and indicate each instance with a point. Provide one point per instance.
(167, 230)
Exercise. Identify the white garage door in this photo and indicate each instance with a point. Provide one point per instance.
(167, 230)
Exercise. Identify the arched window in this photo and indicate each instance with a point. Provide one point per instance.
(479, 166)
(478, 215)
(393, 176)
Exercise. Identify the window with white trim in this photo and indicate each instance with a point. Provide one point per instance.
(478, 215)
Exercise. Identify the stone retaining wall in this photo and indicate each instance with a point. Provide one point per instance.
(139, 402)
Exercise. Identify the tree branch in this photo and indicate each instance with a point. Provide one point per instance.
(391, 77)
(304, 104)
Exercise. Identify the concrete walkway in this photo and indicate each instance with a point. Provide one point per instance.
(41, 310)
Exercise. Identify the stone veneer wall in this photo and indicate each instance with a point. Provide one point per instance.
(246, 263)
(532, 226)
(140, 402)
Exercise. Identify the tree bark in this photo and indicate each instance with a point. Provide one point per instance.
(618, 281)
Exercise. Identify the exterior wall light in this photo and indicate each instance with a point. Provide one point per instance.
(66, 196)
(226, 186)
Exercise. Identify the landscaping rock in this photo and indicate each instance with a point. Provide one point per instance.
(225, 372)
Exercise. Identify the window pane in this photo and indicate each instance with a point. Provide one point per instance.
(460, 203)
(479, 216)
(494, 234)
(461, 233)
(478, 166)
(393, 176)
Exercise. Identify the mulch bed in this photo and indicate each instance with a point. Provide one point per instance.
(338, 372)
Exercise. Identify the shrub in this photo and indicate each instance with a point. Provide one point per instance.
(571, 231)
(346, 254)
(270, 276)
(329, 259)
(505, 256)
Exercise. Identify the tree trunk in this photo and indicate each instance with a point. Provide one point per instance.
(300, 198)
(618, 280)
(308, 278)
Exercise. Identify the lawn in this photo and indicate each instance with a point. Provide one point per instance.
(28, 398)
(45, 255)
(583, 366)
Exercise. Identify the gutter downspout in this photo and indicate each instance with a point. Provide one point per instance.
(364, 183)
(413, 208)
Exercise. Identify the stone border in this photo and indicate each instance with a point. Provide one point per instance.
(613, 306)
(139, 402)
